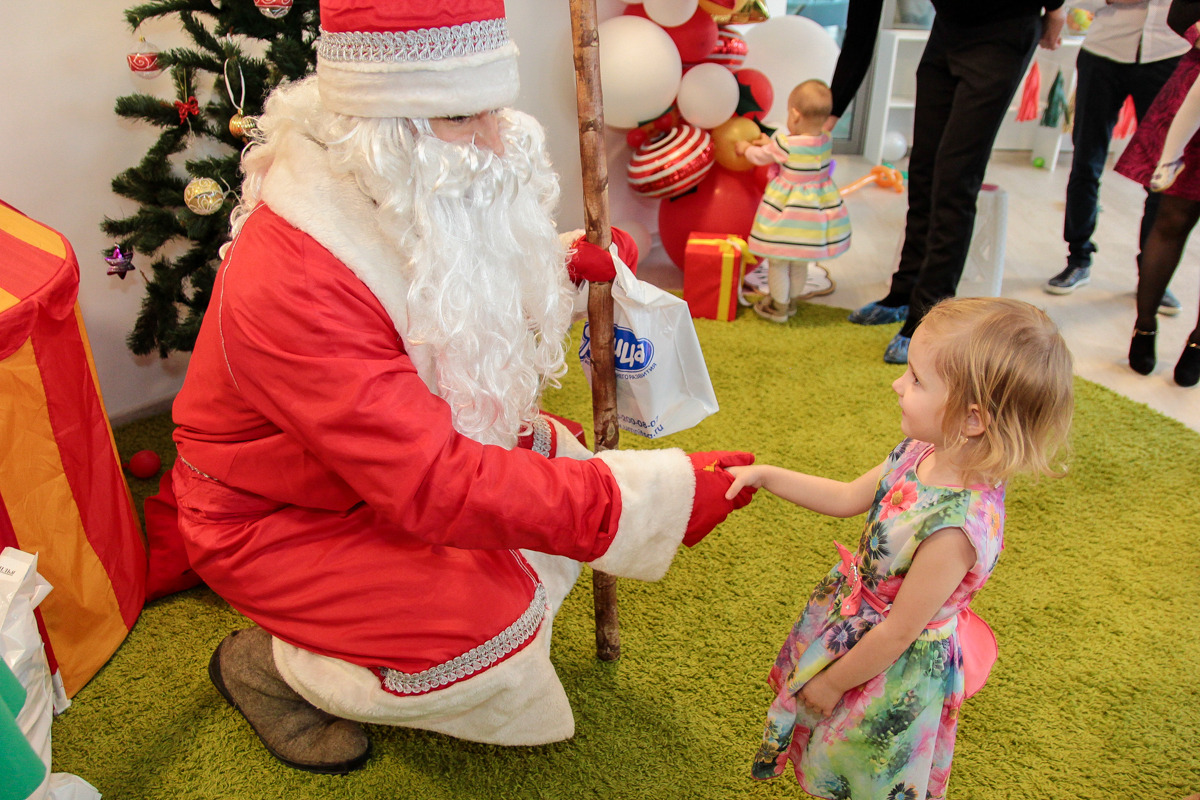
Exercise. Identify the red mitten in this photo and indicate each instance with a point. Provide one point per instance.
(590, 263)
(709, 506)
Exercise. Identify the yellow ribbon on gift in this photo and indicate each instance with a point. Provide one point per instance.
(729, 246)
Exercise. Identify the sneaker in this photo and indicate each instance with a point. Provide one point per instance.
(897, 350)
(767, 308)
(1165, 174)
(1069, 279)
(876, 314)
(1169, 305)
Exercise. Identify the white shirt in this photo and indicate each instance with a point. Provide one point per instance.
(1131, 33)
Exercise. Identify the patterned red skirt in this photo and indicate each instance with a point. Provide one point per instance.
(1141, 156)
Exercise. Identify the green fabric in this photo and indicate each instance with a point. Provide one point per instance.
(1095, 695)
(20, 765)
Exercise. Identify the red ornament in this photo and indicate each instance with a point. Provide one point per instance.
(143, 61)
(144, 464)
(275, 9)
(672, 164)
(185, 108)
(724, 202)
(730, 50)
(761, 94)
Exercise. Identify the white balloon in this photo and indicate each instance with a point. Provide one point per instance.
(708, 95)
(789, 50)
(895, 146)
(670, 13)
(639, 70)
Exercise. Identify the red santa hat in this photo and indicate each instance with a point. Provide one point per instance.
(415, 58)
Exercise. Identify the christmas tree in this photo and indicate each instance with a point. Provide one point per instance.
(240, 50)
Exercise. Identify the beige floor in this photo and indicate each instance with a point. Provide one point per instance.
(1096, 320)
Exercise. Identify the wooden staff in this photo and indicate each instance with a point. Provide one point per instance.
(600, 310)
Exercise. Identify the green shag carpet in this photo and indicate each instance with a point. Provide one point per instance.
(1094, 603)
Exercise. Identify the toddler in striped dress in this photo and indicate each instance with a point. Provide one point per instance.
(801, 217)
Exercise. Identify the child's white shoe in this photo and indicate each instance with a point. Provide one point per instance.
(767, 308)
(1165, 174)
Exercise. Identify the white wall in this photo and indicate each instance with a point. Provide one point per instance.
(62, 69)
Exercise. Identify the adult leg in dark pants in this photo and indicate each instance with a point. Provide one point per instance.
(1103, 87)
(966, 80)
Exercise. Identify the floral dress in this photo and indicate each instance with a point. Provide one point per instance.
(893, 736)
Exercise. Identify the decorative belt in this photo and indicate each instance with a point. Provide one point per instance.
(474, 660)
(859, 592)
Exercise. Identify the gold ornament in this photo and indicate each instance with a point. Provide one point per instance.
(245, 127)
(203, 196)
(735, 12)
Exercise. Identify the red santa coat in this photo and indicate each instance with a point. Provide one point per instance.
(323, 490)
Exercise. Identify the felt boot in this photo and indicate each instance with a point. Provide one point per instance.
(293, 730)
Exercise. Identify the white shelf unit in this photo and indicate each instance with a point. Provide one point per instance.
(893, 89)
(893, 92)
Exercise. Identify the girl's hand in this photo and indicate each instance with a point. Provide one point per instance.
(751, 476)
(820, 696)
(741, 147)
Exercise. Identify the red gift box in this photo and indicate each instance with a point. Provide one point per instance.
(713, 267)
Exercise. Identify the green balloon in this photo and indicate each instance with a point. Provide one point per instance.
(1039, 162)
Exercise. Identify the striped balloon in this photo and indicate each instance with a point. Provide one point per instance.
(672, 165)
(731, 49)
(62, 494)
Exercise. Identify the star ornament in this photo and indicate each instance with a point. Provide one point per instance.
(119, 263)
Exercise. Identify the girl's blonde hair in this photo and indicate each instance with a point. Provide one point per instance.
(1007, 358)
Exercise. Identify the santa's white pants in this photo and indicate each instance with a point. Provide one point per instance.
(519, 701)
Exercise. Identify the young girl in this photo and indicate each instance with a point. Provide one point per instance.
(869, 681)
(801, 217)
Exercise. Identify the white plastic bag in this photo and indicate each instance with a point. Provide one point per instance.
(662, 383)
(21, 590)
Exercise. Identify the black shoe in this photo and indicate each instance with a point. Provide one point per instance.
(1187, 371)
(1141, 351)
(1070, 279)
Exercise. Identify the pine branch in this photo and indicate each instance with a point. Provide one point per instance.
(185, 246)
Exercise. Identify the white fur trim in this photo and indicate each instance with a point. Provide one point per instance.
(657, 489)
(452, 87)
(519, 701)
(566, 445)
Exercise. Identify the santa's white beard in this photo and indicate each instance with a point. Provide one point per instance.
(487, 293)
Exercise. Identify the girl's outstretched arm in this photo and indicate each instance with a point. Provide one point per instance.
(939, 566)
(823, 495)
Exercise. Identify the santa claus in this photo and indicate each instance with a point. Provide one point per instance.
(363, 470)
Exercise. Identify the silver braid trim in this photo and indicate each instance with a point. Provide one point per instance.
(542, 437)
(474, 660)
(425, 44)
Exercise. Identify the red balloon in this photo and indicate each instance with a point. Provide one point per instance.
(724, 202)
(694, 39)
(760, 88)
(144, 464)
